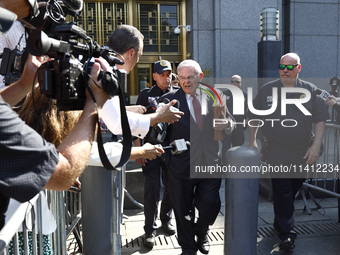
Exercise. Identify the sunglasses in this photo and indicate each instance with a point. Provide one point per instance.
(233, 81)
(289, 67)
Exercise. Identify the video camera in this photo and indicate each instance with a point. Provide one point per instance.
(65, 77)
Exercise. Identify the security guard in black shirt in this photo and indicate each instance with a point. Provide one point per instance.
(289, 133)
(149, 98)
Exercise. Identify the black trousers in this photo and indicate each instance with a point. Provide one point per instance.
(285, 189)
(155, 171)
(186, 195)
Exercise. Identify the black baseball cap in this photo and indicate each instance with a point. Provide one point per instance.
(161, 66)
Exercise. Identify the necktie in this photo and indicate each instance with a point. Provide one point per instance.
(197, 110)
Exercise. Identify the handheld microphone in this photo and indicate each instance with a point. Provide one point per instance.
(178, 146)
(324, 95)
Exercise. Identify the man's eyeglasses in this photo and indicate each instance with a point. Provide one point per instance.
(190, 78)
(235, 81)
(289, 67)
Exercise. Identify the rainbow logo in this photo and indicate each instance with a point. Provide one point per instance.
(209, 93)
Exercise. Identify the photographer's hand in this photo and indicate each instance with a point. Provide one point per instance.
(166, 114)
(18, 90)
(100, 95)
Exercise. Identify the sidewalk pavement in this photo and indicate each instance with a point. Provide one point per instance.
(318, 233)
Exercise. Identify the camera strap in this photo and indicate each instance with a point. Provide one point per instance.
(127, 138)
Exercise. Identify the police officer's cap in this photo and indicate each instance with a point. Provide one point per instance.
(161, 66)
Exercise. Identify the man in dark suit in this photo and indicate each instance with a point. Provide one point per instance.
(188, 193)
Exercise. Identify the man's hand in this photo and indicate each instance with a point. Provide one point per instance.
(18, 90)
(152, 151)
(141, 161)
(166, 114)
(331, 100)
(312, 154)
(100, 95)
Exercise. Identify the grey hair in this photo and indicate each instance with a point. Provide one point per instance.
(190, 63)
(292, 55)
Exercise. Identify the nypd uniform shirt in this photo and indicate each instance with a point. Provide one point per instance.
(147, 95)
(295, 127)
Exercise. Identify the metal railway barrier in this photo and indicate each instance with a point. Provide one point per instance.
(325, 176)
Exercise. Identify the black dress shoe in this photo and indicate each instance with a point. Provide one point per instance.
(287, 244)
(149, 240)
(169, 228)
(186, 253)
(203, 244)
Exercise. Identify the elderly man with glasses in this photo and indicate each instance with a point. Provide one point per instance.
(289, 145)
(190, 190)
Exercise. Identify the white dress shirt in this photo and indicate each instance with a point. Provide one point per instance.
(110, 114)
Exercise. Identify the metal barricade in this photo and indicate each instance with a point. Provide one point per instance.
(65, 206)
(10, 230)
(324, 177)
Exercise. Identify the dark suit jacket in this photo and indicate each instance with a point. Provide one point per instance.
(203, 148)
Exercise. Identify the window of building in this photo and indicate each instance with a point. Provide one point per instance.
(157, 23)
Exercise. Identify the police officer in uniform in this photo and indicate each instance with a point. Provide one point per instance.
(289, 146)
(153, 169)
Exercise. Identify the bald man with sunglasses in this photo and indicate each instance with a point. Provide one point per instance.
(292, 146)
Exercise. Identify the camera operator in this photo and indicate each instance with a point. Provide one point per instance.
(28, 163)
